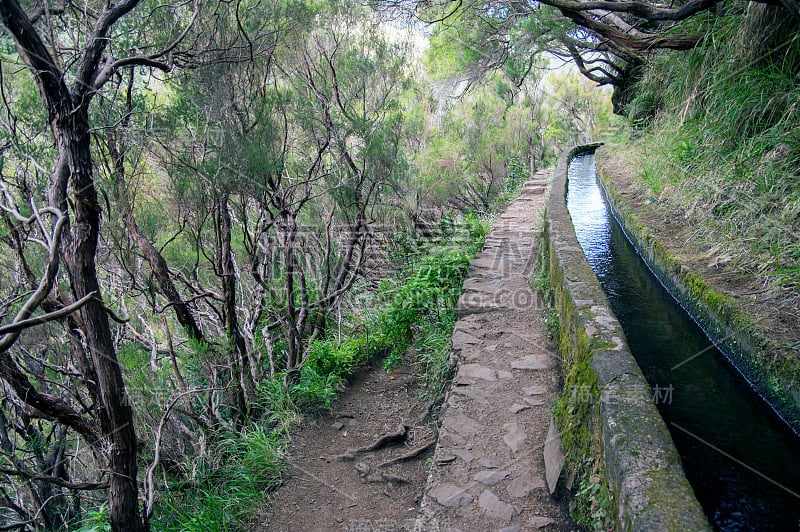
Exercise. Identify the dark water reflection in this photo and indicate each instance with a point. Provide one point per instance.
(742, 461)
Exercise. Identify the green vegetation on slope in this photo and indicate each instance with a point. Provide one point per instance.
(720, 139)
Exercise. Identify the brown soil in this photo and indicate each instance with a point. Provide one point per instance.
(322, 492)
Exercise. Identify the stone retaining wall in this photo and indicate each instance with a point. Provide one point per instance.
(641, 462)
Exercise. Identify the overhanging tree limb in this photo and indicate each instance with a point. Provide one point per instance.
(644, 10)
(640, 42)
(18, 326)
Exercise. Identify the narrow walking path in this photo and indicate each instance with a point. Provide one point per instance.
(488, 470)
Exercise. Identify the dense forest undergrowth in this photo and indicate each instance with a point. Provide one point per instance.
(414, 309)
(211, 216)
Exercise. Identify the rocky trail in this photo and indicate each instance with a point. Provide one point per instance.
(497, 452)
(489, 466)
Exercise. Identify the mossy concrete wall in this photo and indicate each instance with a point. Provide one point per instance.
(614, 408)
(751, 350)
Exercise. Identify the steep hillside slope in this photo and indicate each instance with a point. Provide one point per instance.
(713, 166)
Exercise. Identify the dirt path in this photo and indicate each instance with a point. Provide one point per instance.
(488, 470)
(328, 491)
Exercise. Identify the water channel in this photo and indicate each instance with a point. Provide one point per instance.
(741, 459)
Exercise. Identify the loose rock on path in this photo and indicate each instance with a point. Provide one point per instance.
(489, 469)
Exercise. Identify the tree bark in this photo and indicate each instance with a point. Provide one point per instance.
(68, 112)
(79, 250)
(240, 368)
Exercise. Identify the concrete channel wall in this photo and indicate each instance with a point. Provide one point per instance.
(640, 459)
(751, 350)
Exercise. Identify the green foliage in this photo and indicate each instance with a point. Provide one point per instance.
(594, 502)
(275, 398)
(721, 144)
(314, 387)
(421, 309)
(232, 483)
(477, 228)
(451, 52)
(418, 311)
(429, 293)
(329, 362)
(468, 143)
(540, 281)
(653, 178)
(577, 112)
(330, 356)
(96, 520)
(433, 352)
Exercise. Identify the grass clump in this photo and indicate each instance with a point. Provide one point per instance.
(230, 485)
(420, 314)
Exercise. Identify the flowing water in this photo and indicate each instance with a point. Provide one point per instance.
(741, 459)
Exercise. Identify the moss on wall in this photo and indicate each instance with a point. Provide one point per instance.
(577, 412)
(617, 447)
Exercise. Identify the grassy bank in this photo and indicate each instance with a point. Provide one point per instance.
(719, 140)
(716, 145)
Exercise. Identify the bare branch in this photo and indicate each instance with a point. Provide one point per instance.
(55, 480)
(96, 44)
(45, 9)
(149, 486)
(18, 326)
(152, 60)
(45, 286)
(644, 10)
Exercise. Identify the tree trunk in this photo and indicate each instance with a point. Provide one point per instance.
(153, 257)
(531, 156)
(239, 361)
(292, 330)
(78, 249)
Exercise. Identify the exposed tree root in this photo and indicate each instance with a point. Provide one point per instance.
(369, 475)
(409, 455)
(384, 441)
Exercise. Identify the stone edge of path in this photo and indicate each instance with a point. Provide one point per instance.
(498, 446)
(642, 463)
